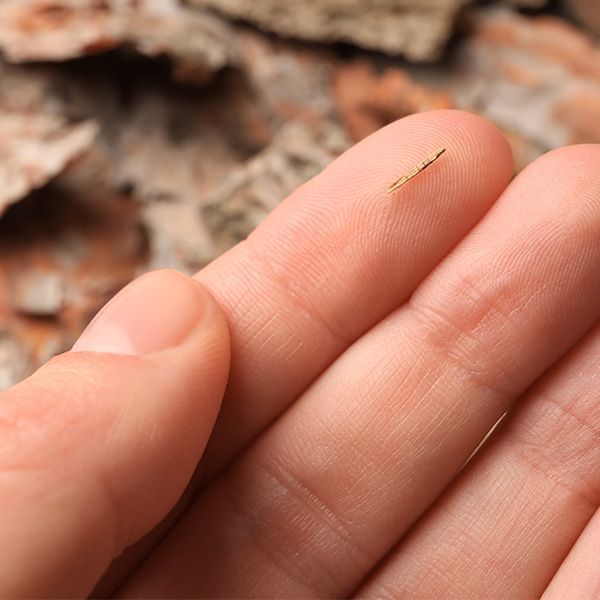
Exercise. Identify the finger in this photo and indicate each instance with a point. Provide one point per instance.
(98, 445)
(579, 575)
(339, 255)
(503, 528)
(345, 472)
(332, 260)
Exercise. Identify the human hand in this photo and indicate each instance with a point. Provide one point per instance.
(375, 341)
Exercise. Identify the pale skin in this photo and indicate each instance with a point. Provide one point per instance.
(359, 347)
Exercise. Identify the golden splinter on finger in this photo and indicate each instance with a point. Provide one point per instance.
(415, 171)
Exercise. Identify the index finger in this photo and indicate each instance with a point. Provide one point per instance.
(339, 255)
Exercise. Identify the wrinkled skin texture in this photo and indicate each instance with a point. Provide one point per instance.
(375, 341)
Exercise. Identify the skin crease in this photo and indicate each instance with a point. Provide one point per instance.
(375, 340)
(394, 414)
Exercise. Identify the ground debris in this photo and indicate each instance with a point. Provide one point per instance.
(36, 148)
(37, 293)
(368, 98)
(52, 30)
(536, 77)
(417, 29)
(15, 364)
(249, 193)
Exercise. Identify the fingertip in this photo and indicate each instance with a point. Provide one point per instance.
(478, 160)
(102, 444)
(458, 124)
(157, 311)
(569, 161)
(565, 182)
(477, 147)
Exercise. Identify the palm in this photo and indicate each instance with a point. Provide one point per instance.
(376, 341)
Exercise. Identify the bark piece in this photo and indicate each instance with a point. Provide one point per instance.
(537, 77)
(417, 29)
(172, 147)
(188, 235)
(30, 90)
(61, 258)
(38, 141)
(249, 193)
(368, 100)
(36, 148)
(289, 81)
(52, 30)
(178, 236)
(15, 363)
(37, 293)
(182, 154)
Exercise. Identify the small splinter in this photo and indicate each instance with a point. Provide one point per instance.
(415, 171)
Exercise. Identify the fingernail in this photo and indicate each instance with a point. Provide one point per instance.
(155, 312)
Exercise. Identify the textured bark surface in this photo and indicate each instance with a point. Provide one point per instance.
(539, 79)
(36, 141)
(198, 44)
(34, 149)
(417, 29)
(368, 99)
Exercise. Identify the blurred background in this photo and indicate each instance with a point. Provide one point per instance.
(137, 134)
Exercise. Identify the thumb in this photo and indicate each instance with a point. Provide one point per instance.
(98, 445)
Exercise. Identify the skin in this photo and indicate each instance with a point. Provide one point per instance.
(369, 343)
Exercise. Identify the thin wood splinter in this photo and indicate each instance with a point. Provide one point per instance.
(414, 172)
